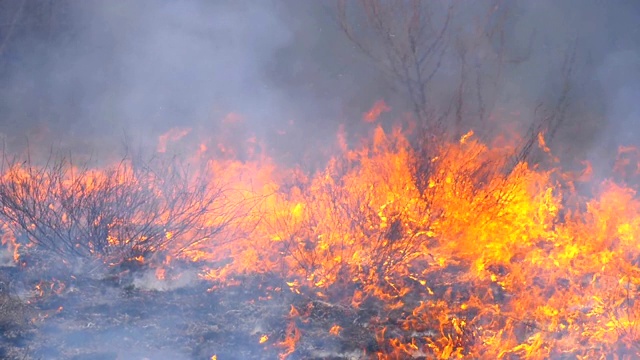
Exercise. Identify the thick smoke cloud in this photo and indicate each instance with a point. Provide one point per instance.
(82, 75)
(603, 109)
(108, 68)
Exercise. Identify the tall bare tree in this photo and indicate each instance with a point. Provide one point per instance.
(449, 61)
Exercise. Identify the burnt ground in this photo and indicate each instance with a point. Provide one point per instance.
(131, 315)
(115, 318)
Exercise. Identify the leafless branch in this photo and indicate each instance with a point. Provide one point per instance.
(133, 208)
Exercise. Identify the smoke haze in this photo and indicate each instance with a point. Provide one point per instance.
(83, 75)
(87, 76)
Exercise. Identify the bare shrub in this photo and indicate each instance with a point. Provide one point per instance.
(131, 209)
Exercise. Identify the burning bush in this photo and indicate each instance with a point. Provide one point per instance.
(126, 211)
(447, 259)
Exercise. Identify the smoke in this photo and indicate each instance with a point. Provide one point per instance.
(603, 108)
(148, 280)
(619, 76)
(101, 69)
(84, 75)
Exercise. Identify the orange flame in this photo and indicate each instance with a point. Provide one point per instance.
(379, 107)
(335, 330)
(172, 135)
(473, 256)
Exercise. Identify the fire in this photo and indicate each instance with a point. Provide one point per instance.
(46, 288)
(161, 273)
(172, 135)
(292, 336)
(374, 113)
(335, 330)
(475, 257)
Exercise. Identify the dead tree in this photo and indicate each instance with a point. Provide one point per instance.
(449, 60)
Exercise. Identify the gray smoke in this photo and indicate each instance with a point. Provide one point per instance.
(97, 70)
(82, 75)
